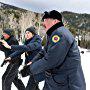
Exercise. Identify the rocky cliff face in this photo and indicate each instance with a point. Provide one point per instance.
(18, 19)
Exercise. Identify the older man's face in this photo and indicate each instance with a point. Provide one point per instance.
(6, 36)
(47, 23)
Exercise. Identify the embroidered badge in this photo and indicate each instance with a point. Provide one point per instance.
(55, 38)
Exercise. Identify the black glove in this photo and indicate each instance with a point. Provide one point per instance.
(25, 71)
(3, 63)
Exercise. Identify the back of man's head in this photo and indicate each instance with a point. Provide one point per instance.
(10, 32)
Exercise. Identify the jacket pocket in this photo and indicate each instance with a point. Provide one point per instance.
(60, 79)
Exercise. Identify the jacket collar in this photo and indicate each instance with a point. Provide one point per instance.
(53, 28)
(29, 40)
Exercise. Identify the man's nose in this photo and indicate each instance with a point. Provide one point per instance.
(42, 23)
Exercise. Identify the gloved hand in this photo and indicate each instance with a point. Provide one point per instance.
(25, 71)
(5, 61)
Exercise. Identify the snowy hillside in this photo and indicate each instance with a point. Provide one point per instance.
(85, 59)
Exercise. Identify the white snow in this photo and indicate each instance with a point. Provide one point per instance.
(85, 60)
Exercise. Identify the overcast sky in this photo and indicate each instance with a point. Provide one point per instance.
(78, 6)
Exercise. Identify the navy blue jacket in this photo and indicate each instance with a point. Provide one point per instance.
(61, 61)
(31, 48)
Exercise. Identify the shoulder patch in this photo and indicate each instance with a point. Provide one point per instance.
(55, 38)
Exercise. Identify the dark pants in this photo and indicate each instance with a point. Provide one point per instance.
(32, 85)
(11, 75)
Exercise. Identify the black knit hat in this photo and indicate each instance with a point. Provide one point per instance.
(31, 29)
(8, 31)
(52, 14)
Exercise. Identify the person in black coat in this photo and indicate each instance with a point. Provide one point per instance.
(31, 47)
(11, 73)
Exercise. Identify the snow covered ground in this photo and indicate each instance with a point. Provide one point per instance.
(85, 59)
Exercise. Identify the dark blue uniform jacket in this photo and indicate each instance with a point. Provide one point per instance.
(61, 61)
(31, 49)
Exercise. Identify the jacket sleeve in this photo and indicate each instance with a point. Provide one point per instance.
(40, 55)
(2, 48)
(15, 54)
(12, 41)
(53, 58)
(29, 47)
